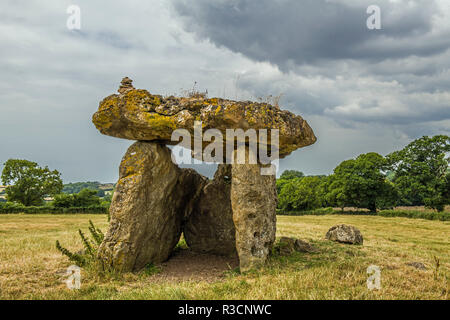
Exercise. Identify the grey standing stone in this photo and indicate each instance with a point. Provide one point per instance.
(146, 210)
(253, 201)
(210, 226)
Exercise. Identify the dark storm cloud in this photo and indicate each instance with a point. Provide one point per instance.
(331, 64)
(353, 100)
(306, 31)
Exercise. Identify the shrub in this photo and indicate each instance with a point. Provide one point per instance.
(10, 208)
(300, 194)
(84, 198)
(442, 216)
(89, 254)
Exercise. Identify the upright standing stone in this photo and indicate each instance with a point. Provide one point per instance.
(192, 183)
(146, 209)
(254, 201)
(210, 227)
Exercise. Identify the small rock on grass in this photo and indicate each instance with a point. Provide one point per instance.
(303, 246)
(288, 245)
(345, 234)
(417, 265)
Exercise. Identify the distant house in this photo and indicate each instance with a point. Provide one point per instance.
(106, 186)
(3, 189)
(49, 199)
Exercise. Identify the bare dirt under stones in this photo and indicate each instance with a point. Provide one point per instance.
(186, 265)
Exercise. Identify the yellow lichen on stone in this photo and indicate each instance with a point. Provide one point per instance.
(102, 121)
(137, 114)
(214, 101)
(156, 101)
(160, 122)
(136, 99)
(137, 95)
(108, 103)
(107, 111)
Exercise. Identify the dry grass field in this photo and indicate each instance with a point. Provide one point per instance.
(31, 267)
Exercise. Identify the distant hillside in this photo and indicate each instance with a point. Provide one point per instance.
(76, 187)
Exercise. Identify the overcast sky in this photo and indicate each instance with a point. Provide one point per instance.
(361, 90)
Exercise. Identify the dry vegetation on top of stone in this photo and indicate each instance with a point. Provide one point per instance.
(137, 114)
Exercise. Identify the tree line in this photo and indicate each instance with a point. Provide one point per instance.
(416, 175)
(29, 184)
(76, 187)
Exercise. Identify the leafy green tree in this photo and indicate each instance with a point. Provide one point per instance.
(361, 183)
(333, 193)
(300, 194)
(106, 201)
(280, 183)
(286, 177)
(446, 189)
(291, 174)
(85, 198)
(420, 171)
(63, 200)
(29, 183)
(76, 187)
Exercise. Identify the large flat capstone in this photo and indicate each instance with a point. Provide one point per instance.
(137, 114)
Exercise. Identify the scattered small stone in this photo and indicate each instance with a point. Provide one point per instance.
(303, 246)
(345, 234)
(288, 245)
(126, 85)
(417, 265)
